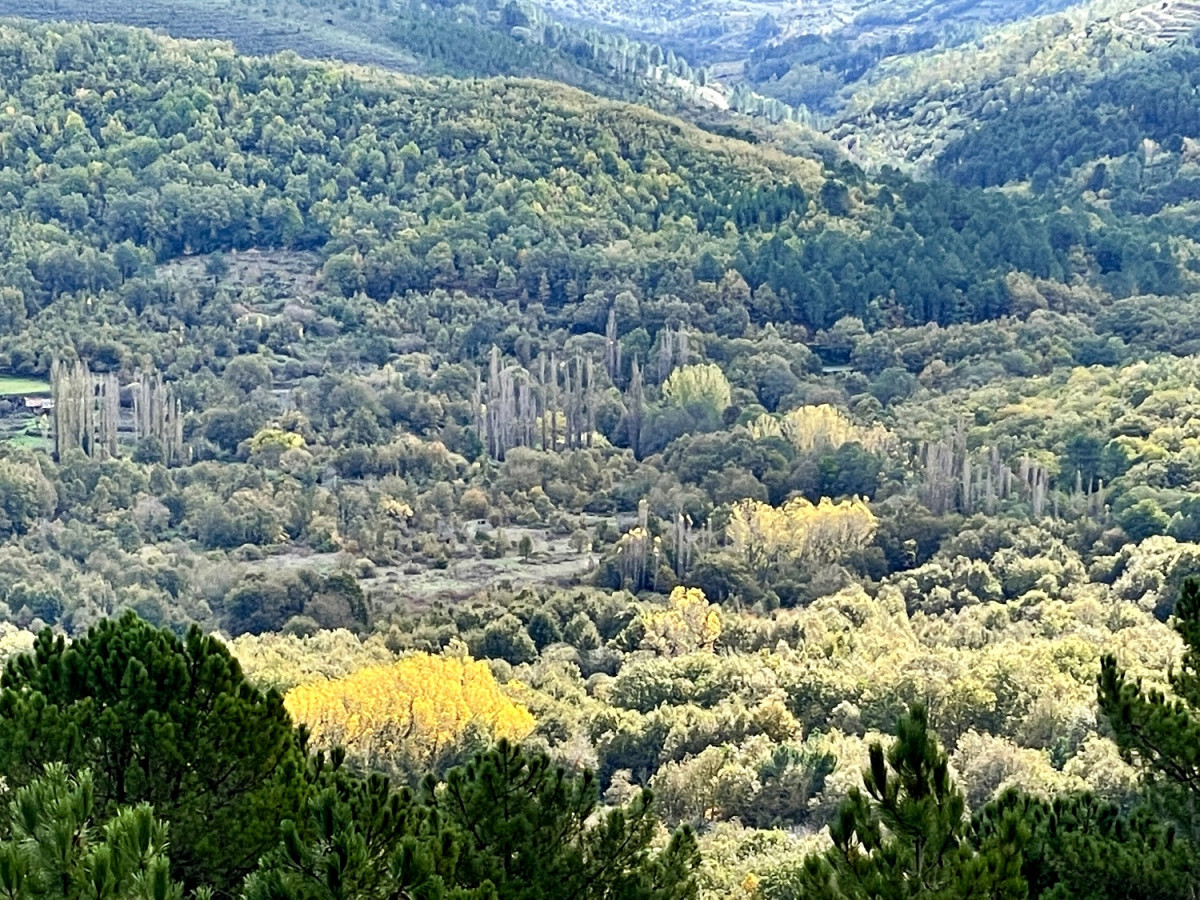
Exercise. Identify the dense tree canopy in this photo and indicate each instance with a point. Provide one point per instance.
(473, 409)
(161, 721)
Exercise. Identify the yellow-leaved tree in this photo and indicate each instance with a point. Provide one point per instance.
(704, 384)
(273, 436)
(799, 531)
(824, 427)
(687, 624)
(419, 714)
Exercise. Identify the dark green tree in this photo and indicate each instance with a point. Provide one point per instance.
(507, 639)
(527, 828)
(1143, 519)
(543, 629)
(1079, 847)
(163, 721)
(363, 839)
(1160, 732)
(57, 848)
(906, 836)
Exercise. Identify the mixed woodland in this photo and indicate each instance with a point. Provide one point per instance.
(450, 483)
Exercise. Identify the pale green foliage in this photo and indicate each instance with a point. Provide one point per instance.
(1098, 763)
(758, 782)
(703, 384)
(986, 765)
(283, 661)
(14, 641)
(734, 857)
(1153, 572)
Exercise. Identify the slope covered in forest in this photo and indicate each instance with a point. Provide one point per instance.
(1094, 107)
(920, 109)
(478, 39)
(482, 409)
(123, 151)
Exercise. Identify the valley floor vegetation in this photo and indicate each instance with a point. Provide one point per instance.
(520, 494)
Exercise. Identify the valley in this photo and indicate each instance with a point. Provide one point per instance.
(741, 27)
(696, 451)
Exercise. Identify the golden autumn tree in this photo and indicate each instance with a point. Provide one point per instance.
(799, 531)
(823, 427)
(703, 384)
(687, 623)
(418, 714)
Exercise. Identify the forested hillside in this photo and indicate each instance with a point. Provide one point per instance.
(1093, 107)
(422, 486)
(216, 153)
(933, 109)
(482, 38)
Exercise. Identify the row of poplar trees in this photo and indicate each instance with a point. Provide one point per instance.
(87, 413)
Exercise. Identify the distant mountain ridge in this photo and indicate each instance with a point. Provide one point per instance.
(743, 26)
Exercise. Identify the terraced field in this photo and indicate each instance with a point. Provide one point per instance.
(1163, 20)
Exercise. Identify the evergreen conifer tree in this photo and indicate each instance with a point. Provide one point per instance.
(1079, 847)
(56, 847)
(364, 839)
(528, 829)
(906, 836)
(164, 721)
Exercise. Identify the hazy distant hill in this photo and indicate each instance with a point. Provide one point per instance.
(910, 107)
(732, 27)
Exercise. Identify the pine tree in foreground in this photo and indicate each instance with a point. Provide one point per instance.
(363, 840)
(907, 835)
(1079, 847)
(57, 847)
(159, 720)
(1159, 731)
(507, 826)
(534, 831)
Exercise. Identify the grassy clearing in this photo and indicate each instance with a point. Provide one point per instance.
(11, 384)
(28, 442)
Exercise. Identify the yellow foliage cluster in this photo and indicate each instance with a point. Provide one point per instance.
(823, 427)
(686, 624)
(764, 535)
(395, 509)
(704, 383)
(416, 712)
(275, 437)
